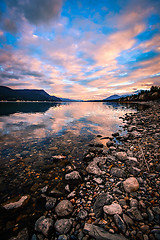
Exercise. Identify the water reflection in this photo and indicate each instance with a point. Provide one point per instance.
(43, 119)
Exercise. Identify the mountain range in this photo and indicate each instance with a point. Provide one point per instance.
(9, 94)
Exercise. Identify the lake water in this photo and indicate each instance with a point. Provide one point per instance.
(32, 133)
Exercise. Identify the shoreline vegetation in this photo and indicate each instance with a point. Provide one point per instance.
(114, 196)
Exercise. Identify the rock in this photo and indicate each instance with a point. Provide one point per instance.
(44, 225)
(135, 134)
(73, 175)
(58, 157)
(12, 204)
(131, 184)
(93, 167)
(133, 170)
(117, 172)
(120, 223)
(72, 194)
(122, 156)
(62, 237)
(112, 209)
(67, 188)
(131, 161)
(98, 180)
(133, 203)
(128, 220)
(50, 203)
(100, 234)
(63, 226)
(103, 199)
(135, 214)
(110, 143)
(55, 193)
(22, 235)
(64, 208)
(82, 214)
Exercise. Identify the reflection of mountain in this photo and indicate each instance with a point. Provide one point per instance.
(25, 95)
(7, 108)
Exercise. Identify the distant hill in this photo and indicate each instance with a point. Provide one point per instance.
(70, 100)
(9, 94)
(112, 97)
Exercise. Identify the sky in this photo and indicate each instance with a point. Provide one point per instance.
(80, 49)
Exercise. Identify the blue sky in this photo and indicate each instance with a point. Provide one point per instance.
(80, 49)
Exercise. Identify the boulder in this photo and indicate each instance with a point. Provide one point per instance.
(112, 209)
(131, 184)
(63, 226)
(64, 208)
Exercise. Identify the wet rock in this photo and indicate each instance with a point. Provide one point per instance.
(12, 204)
(22, 235)
(100, 234)
(44, 225)
(112, 209)
(150, 215)
(73, 175)
(63, 226)
(122, 156)
(93, 167)
(72, 194)
(55, 193)
(120, 223)
(103, 199)
(117, 172)
(62, 237)
(58, 157)
(131, 184)
(135, 214)
(133, 203)
(64, 208)
(110, 143)
(82, 214)
(50, 203)
(98, 180)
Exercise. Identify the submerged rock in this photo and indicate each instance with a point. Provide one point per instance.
(64, 208)
(73, 175)
(16, 204)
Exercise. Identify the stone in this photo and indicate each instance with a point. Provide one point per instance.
(133, 203)
(63, 226)
(110, 143)
(55, 193)
(100, 233)
(103, 199)
(134, 170)
(44, 225)
(73, 176)
(64, 208)
(50, 203)
(98, 180)
(131, 184)
(62, 237)
(12, 204)
(93, 167)
(128, 220)
(135, 214)
(82, 214)
(117, 172)
(22, 235)
(72, 194)
(122, 156)
(131, 161)
(112, 209)
(120, 223)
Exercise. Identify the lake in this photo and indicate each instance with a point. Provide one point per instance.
(31, 134)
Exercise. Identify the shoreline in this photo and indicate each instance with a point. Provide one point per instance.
(101, 204)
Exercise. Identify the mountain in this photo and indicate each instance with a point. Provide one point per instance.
(70, 100)
(9, 94)
(112, 97)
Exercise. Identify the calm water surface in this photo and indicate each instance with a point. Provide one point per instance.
(32, 133)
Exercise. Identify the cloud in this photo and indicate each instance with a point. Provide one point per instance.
(10, 26)
(38, 11)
